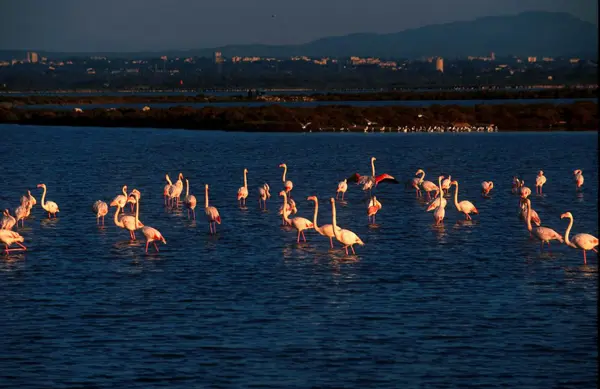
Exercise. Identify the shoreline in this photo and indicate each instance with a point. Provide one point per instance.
(581, 116)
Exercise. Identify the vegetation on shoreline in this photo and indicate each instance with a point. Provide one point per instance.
(566, 93)
(276, 118)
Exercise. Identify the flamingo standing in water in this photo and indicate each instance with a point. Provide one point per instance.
(486, 188)
(417, 181)
(445, 185)
(152, 234)
(167, 189)
(22, 211)
(120, 200)
(175, 190)
(429, 187)
(464, 206)
(346, 237)
(263, 194)
(288, 185)
(8, 222)
(189, 200)
(342, 188)
(372, 209)
(212, 214)
(8, 238)
(578, 179)
(50, 206)
(299, 223)
(582, 241)
(516, 185)
(132, 198)
(128, 222)
(242, 193)
(540, 180)
(327, 229)
(32, 200)
(287, 208)
(100, 208)
(544, 234)
(440, 211)
(369, 182)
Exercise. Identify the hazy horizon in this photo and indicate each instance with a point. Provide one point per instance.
(149, 25)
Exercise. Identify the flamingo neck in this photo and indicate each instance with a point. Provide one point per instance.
(44, 198)
(440, 188)
(245, 180)
(117, 222)
(284, 209)
(124, 191)
(187, 188)
(373, 168)
(567, 241)
(206, 197)
(284, 173)
(137, 212)
(169, 180)
(456, 197)
(315, 215)
(528, 217)
(334, 221)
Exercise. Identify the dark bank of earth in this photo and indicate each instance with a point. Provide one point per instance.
(276, 118)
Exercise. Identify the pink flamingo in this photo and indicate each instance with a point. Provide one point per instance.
(372, 209)
(8, 222)
(299, 223)
(540, 180)
(175, 191)
(263, 194)
(100, 208)
(120, 200)
(417, 181)
(152, 234)
(346, 237)
(189, 200)
(583, 242)
(129, 222)
(212, 214)
(132, 199)
(370, 182)
(288, 185)
(50, 206)
(486, 187)
(242, 193)
(440, 211)
(342, 188)
(544, 234)
(325, 230)
(8, 238)
(445, 185)
(578, 179)
(428, 186)
(464, 206)
(167, 189)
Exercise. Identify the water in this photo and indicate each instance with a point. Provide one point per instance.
(466, 305)
(308, 104)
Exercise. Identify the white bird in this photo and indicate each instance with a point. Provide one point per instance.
(189, 200)
(212, 214)
(263, 194)
(242, 193)
(100, 208)
(8, 238)
(50, 206)
(342, 188)
(345, 237)
(8, 221)
(325, 230)
(540, 180)
(582, 241)
(305, 125)
(299, 223)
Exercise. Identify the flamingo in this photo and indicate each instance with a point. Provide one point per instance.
(100, 208)
(464, 206)
(417, 181)
(445, 185)
(369, 182)
(189, 200)
(287, 208)
(22, 211)
(516, 185)
(299, 223)
(167, 189)
(212, 214)
(176, 189)
(327, 229)
(51, 207)
(486, 187)
(120, 200)
(8, 238)
(152, 234)
(288, 185)
(242, 193)
(129, 222)
(440, 211)
(132, 199)
(429, 187)
(32, 200)
(8, 222)
(540, 180)
(535, 218)
(342, 188)
(544, 234)
(263, 194)
(524, 191)
(373, 208)
(439, 201)
(583, 242)
(578, 179)
(346, 237)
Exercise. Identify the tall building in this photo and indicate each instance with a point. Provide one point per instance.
(439, 64)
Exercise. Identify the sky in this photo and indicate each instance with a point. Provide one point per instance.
(155, 25)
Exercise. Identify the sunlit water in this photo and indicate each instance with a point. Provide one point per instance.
(463, 305)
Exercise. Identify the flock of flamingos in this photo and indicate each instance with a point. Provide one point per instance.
(172, 198)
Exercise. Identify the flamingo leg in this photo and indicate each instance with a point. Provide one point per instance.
(584, 258)
(155, 246)
(346, 247)
(337, 195)
(352, 247)
(147, 243)
(343, 194)
(303, 237)
(215, 227)
(25, 248)
(194, 213)
(298, 238)
(331, 241)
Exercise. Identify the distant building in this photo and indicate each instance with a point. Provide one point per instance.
(531, 59)
(439, 64)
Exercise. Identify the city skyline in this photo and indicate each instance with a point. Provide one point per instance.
(137, 25)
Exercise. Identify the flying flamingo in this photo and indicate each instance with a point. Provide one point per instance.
(578, 179)
(540, 180)
(212, 214)
(100, 208)
(49, 206)
(369, 182)
(167, 189)
(486, 187)
(373, 208)
(346, 237)
(152, 234)
(305, 125)
(342, 188)
(8, 238)
(288, 185)
(583, 242)
(299, 223)
(8, 222)
(120, 200)
(327, 229)
(263, 194)
(544, 234)
(417, 181)
(129, 222)
(242, 193)
(445, 185)
(464, 206)
(189, 200)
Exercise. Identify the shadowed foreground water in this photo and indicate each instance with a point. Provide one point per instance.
(463, 305)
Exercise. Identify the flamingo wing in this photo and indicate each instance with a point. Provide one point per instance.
(354, 178)
(385, 178)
